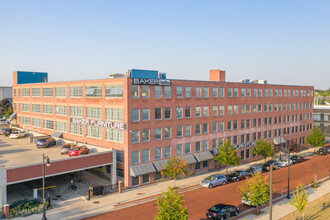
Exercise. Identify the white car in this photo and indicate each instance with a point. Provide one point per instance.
(284, 163)
(17, 134)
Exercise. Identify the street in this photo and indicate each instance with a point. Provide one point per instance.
(199, 200)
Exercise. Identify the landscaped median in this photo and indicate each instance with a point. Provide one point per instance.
(27, 207)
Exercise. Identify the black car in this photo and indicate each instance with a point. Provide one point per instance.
(297, 159)
(6, 131)
(221, 211)
(238, 175)
(322, 151)
(46, 142)
(266, 166)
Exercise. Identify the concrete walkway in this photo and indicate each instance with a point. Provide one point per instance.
(79, 208)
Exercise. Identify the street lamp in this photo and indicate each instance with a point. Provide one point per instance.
(288, 194)
(45, 161)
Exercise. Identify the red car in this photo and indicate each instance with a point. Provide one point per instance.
(78, 150)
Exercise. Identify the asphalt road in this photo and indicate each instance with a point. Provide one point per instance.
(199, 200)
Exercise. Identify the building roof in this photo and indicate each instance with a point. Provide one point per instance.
(321, 106)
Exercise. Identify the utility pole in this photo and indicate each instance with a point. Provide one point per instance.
(271, 193)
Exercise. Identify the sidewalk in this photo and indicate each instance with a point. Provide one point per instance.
(282, 208)
(79, 208)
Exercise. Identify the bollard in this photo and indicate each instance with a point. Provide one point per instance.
(6, 211)
(120, 186)
(48, 198)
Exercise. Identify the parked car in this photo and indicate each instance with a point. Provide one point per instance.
(78, 150)
(238, 175)
(220, 211)
(322, 151)
(17, 134)
(266, 166)
(283, 163)
(67, 147)
(297, 159)
(214, 180)
(253, 170)
(6, 131)
(45, 142)
(246, 201)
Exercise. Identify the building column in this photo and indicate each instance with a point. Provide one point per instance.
(3, 187)
(114, 169)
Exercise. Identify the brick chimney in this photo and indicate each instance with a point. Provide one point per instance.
(218, 75)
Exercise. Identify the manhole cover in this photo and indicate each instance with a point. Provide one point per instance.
(141, 194)
(58, 196)
(96, 202)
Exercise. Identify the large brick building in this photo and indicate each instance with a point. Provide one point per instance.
(149, 120)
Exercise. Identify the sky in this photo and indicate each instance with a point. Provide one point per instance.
(284, 42)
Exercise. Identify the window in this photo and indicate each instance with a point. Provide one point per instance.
(205, 92)
(235, 139)
(135, 157)
(255, 108)
(230, 110)
(205, 111)
(247, 154)
(167, 132)
(230, 92)
(229, 127)
(187, 130)
(247, 138)
(114, 91)
(135, 114)
(198, 92)
(94, 132)
(259, 107)
(61, 92)
(248, 122)
(248, 109)
(215, 110)
(221, 92)
(48, 124)
(135, 91)
(145, 178)
(221, 126)
(76, 129)
(61, 110)
(92, 112)
(61, 126)
(135, 181)
(197, 146)
(188, 92)
(260, 92)
(197, 166)
(158, 91)
(114, 135)
(179, 130)
(248, 92)
(214, 126)
(145, 135)
(270, 92)
(93, 91)
(214, 92)
(198, 111)
(242, 123)
(167, 91)
(221, 110)
(76, 92)
(145, 91)
(26, 121)
(205, 164)
(48, 109)
(187, 111)
(266, 92)
(167, 113)
(158, 113)
(167, 151)
(145, 155)
(179, 112)
(36, 92)
(76, 111)
(158, 153)
(36, 108)
(26, 107)
(214, 143)
(235, 109)
(158, 133)
(242, 138)
(36, 122)
(235, 124)
(255, 92)
(205, 128)
(135, 136)
(205, 144)
(243, 92)
(179, 92)
(198, 128)
(187, 148)
(179, 149)
(145, 114)
(26, 92)
(235, 92)
(242, 109)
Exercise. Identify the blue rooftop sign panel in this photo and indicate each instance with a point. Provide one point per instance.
(31, 77)
(144, 74)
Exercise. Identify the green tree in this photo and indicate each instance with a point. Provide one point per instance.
(264, 149)
(317, 138)
(170, 206)
(255, 191)
(300, 199)
(9, 112)
(175, 167)
(227, 155)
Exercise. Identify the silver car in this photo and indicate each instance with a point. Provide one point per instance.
(214, 180)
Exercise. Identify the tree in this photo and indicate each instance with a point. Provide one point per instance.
(4, 105)
(300, 199)
(264, 149)
(317, 138)
(175, 167)
(9, 112)
(170, 206)
(227, 155)
(255, 191)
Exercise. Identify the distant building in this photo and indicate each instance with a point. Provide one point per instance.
(321, 119)
(6, 93)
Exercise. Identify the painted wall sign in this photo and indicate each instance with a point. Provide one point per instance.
(99, 123)
(245, 145)
(161, 82)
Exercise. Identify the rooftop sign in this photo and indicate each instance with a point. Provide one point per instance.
(99, 123)
(160, 82)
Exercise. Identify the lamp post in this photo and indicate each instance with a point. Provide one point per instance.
(288, 194)
(45, 161)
